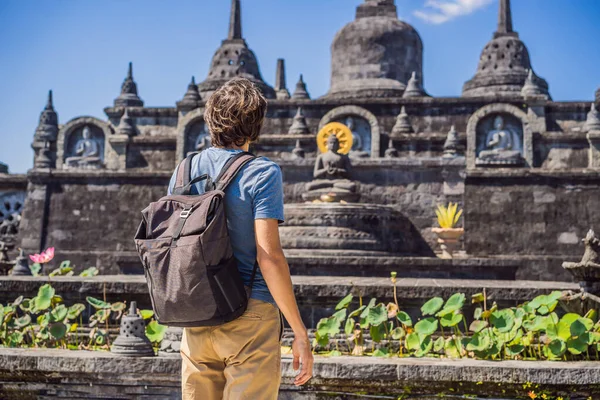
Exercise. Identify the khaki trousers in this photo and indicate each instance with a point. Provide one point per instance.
(238, 360)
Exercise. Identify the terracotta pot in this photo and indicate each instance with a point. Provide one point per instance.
(449, 240)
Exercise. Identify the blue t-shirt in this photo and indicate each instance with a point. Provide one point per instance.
(255, 193)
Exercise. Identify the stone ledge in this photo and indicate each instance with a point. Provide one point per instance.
(56, 373)
(533, 174)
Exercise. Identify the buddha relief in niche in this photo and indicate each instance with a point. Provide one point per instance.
(500, 141)
(85, 148)
(198, 138)
(361, 136)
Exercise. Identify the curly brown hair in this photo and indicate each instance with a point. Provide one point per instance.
(235, 113)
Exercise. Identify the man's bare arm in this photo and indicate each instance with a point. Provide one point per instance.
(275, 270)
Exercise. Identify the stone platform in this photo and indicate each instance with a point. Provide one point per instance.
(317, 295)
(53, 374)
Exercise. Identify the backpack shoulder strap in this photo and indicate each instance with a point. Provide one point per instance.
(183, 180)
(231, 169)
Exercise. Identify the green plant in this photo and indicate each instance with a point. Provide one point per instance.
(530, 331)
(448, 216)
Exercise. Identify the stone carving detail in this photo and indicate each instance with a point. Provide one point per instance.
(85, 149)
(414, 87)
(191, 99)
(44, 140)
(234, 59)
(592, 122)
(299, 126)
(502, 143)
(298, 151)
(171, 343)
(126, 126)
(391, 151)
(504, 64)
(358, 114)
(452, 147)
(361, 136)
(129, 93)
(331, 174)
(280, 86)
(402, 126)
(499, 135)
(374, 55)
(132, 340)
(11, 206)
(301, 93)
(587, 271)
(197, 137)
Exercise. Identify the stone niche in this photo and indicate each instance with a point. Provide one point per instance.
(192, 134)
(364, 126)
(81, 144)
(498, 135)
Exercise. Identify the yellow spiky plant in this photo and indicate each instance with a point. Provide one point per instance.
(448, 216)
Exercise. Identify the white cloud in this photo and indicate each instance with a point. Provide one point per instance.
(440, 11)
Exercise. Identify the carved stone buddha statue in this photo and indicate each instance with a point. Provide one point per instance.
(203, 141)
(87, 152)
(358, 145)
(500, 147)
(331, 173)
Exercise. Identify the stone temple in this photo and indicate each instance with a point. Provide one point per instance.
(525, 167)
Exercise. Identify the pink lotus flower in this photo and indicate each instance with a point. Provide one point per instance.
(44, 257)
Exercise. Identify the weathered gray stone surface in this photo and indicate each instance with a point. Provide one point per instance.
(37, 374)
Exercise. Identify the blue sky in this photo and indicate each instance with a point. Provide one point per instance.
(80, 49)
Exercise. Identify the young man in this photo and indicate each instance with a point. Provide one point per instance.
(242, 359)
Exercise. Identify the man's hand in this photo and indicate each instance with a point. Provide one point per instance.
(302, 355)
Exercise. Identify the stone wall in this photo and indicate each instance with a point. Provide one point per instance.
(48, 374)
(530, 212)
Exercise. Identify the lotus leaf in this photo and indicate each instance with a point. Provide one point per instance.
(15, 338)
(43, 300)
(451, 349)
(592, 314)
(398, 333)
(477, 326)
(455, 302)
(75, 310)
(514, 350)
(438, 345)
(478, 312)
(59, 313)
(432, 306)
(377, 332)
(578, 345)
(23, 321)
(58, 330)
(404, 318)
(426, 326)
(451, 320)
(480, 342)
(17, 301)
(118, 306)
(91, 271)
(340, 315)
(377, 315)
(357, 312)
(381, 353)
(349, 327)
(477, 298)
(96, 303)
(328, 326)
(344, 303)
(412, 341)
(155, 331)
(503, 320)
(557, 347)
(425, 346)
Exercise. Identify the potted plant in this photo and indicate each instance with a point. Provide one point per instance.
(448, 234)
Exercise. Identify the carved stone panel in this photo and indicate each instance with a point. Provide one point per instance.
(197, 137)
(361, 135)
(499, 135)
(82, 143)
(364, 126)
(11, 206)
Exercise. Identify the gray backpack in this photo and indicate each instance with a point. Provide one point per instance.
(184, 245)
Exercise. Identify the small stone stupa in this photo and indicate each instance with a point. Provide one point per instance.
(132, 340)
(301, 93)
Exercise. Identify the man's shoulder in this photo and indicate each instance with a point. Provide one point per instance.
(262, 164)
